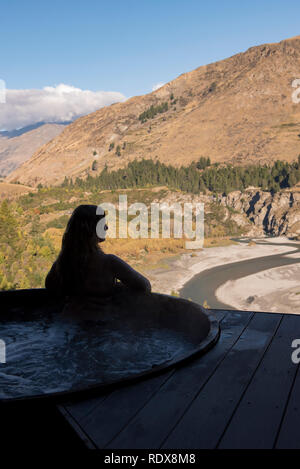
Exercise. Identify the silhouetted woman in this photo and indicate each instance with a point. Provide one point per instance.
(82, 268)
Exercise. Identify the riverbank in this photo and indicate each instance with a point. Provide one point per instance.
(274, 290)
(179, 270)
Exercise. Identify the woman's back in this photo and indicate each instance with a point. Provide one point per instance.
(99, 279)
(104, 270)
(82, 269)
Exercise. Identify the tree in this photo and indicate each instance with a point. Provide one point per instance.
(95, 165)
(118, 150)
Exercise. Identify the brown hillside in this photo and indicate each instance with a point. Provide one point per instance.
(238, 110)
(13, 191)
(15, 150)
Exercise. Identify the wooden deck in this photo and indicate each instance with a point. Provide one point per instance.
(244, 393)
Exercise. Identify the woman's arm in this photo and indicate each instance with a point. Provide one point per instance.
(128, 276)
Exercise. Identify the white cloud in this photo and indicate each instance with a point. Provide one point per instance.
(157, 86)
(52, 104)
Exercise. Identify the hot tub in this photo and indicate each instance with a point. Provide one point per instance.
(51, 351)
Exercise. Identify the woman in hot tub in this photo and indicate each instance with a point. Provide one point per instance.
(82, 269)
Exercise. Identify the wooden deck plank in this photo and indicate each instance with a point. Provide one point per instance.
(257, 419)
(156, 419)
(257, 370)
(206, 419)
(109, 418)
(80, 409)
(289, 434)
(76, 427)
(94, 416)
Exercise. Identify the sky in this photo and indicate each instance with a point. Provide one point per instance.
(59, 58)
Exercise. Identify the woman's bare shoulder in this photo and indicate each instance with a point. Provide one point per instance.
(112, 258)
(115, 261)
(99, 260)
(127, 274)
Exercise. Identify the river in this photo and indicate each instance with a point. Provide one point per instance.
(204, 285)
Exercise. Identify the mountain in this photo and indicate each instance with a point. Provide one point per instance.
(19, 145)
(237, 110)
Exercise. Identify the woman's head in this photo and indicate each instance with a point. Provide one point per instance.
(79, 243)
(82, 226)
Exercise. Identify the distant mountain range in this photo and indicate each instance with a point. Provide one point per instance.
(17, 146)
(237, 110)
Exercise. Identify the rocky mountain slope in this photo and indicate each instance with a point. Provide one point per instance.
(256, 212)
(18, 146)
(238, 110)
(277, 214)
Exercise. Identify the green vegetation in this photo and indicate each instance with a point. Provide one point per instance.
(175, 293)
(195, 179)
(217, 225)
(25, 255)
(173, 100)
(31, 229)
(95, 165)
(203, 163)
(212, 87)
(118, 150)
(289, 124)
(60, 222)
(32, 226)
(152, 111)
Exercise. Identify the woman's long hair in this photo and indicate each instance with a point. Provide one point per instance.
(79, 244)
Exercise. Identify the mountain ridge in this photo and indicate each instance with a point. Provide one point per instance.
(236, 110)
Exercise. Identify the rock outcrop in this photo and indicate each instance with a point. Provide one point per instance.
(275, 214)
(257, 212)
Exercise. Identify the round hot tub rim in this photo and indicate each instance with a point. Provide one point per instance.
(89, 391)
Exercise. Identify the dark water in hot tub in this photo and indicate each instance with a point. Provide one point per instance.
(56, 355)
